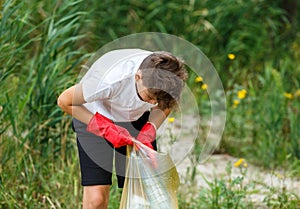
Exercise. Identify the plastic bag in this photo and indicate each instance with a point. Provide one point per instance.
(151, 180)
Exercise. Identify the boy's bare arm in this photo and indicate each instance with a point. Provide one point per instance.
(157, 116)
(71, 100)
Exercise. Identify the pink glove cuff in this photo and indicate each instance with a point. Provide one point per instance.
(147, 134)
(104, 127)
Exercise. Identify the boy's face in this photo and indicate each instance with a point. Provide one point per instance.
(142, 90)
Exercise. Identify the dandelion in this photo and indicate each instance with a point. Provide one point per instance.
(171, 119)
(297, 93)
(231, 56)
(242, 94)
(236, 102)
(279, 176)
(245, 165)
(288, 95)
(198, 79)
(204, 87)
(239, 162)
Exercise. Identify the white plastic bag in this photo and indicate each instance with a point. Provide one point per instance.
(151, 180)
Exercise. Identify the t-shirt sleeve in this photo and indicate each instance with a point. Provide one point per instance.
(94, 85)
(94, 90)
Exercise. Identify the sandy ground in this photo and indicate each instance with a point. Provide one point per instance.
(177, 138)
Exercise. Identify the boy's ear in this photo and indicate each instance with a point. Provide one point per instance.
(138, 75)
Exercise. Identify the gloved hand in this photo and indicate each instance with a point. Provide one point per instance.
(147, 134)
(104, 127)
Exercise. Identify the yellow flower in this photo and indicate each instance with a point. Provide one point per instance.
(198, 79)
(288, 95)
(204, 87)
(245, 165)
(242, 94)
(279, 176)
(236, 102)
(239, 162)
(297, 93)
(171, 120)
(231, 56)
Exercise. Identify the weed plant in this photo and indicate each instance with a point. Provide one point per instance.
(233, 190)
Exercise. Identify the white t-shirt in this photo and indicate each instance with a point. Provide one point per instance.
(109, 85)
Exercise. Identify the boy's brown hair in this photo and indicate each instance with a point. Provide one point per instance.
(164, 76)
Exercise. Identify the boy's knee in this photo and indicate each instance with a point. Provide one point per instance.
(95, 198)
(96, 202)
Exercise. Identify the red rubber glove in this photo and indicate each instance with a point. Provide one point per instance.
(104, 127)
(147, 134)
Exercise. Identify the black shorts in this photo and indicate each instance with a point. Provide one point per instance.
(97, 156)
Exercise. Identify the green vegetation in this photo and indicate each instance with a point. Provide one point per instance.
(254, 45)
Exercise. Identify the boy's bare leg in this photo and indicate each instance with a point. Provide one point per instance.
(95, 197)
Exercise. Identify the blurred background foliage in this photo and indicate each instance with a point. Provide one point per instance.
(254, 45)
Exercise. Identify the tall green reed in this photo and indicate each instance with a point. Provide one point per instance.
(49, 57)
(41, 49)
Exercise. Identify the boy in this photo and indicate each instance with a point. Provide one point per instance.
(126, 93)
